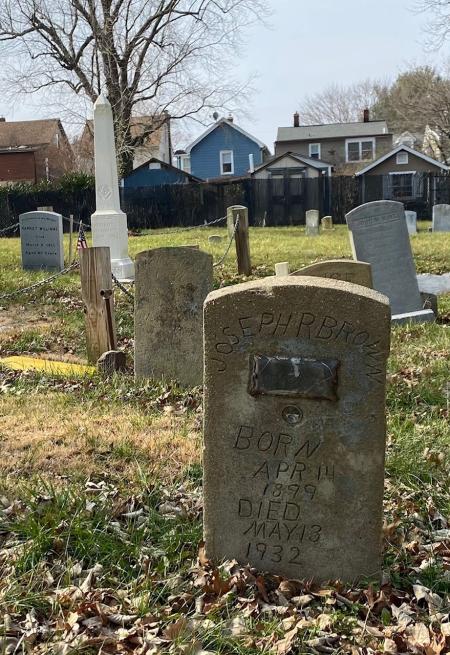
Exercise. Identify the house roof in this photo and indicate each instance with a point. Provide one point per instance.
(28, 133)
(301, 159)
(138, 125)
(405, 148)
(225, 121)
(164, 164)
(332, 131)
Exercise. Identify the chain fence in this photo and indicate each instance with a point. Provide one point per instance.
(227, 249)
(41, 283)
(10, 228)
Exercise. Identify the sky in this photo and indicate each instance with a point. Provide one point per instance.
(307, 45)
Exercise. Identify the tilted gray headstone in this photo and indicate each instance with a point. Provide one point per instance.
(411, 221)
(379, 236)
(294, 441)
(41, 240)
(312, 222)
(441, 218)
(171, 285)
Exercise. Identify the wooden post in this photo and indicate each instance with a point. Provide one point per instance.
(70, 237)
(95, 273)
(244, 264)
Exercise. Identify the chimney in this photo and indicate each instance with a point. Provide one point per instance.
(2, 119)
(230, 118)
(366, 116)
(296, 119)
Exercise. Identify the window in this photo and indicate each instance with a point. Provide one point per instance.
(360, 149)
(402, 185)
(314, 150)
(226, 162)
(402, 158)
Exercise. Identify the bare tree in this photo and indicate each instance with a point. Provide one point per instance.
(148, 56)
(438, 27)
(339, 104)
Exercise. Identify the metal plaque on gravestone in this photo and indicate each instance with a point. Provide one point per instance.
(41, 240)
(379, 236)
(340, 269)
(294, 433)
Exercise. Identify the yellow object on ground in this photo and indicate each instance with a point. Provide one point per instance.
(19, 363)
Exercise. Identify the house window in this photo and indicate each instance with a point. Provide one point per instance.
(314, 150)
(360, 150)
(226, 162)
(402, 158)
(402, 185)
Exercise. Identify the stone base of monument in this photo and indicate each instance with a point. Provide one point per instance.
(111, 361)
(109, 229)
(421, 316)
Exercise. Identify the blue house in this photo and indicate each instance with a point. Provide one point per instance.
(224, 150)
(155, 172)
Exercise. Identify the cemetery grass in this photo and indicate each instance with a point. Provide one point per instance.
(100, 494)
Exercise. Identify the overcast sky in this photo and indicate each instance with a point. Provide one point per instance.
(310, 44)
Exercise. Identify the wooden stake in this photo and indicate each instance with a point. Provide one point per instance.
(95, 272)
(244, 264)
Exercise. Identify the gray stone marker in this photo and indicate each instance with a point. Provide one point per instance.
(215, 238)
(429, 301)
(441, 218)
(340, 269)
(411, 221)
(171, 286)
(294, 434)
(420, 316)
(379, 236)
(327, 223)
(312, 223)
(41, 240)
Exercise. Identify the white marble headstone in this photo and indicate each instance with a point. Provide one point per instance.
(411, 222)
(312, 222)
(41, 240)
(441, 218)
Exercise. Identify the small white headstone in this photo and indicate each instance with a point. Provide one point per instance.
(41, 240)
(282, 268)
(312, 223)
(441, 218)
(411, 222)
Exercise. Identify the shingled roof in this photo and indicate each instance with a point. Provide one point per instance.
(15, 134)
(332, 131)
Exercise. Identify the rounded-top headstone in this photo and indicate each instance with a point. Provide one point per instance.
(340, 269)
(41, 240)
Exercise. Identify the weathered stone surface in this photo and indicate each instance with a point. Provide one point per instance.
(379, 236)
(215, 238)
(41, 240)
(294, 438)
(171, 286)
(327, 223)
(411, 221)
(340, 269)
(312, 223)
(420, 316)
(429, 301)
(441, 218)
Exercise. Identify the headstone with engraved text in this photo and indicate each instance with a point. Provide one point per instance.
(41, 240)
(294, 433)
(441, 218)
(411, 221)
(312, 223)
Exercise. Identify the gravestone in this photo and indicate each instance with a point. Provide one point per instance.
(411, 221)
(340, 269)
(214, 238)
(441, 218)
(327, 223)
(312, 223)
(430, 301)
(294, 433)
(171, 286)
(282, 268)
(379, 236)
(41, 240)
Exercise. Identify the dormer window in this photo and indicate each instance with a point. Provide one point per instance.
(226, 162)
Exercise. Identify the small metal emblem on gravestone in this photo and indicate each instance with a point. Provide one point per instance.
(171, 286)
(340, 269)
(379, 236)
(441, 218)
(411, 221)
(312, 223)
(327, 223)
(294, 434)
(41, 240)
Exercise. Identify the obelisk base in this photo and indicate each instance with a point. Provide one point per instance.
(110, 229)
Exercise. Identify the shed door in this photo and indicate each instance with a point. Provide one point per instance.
(287, 194)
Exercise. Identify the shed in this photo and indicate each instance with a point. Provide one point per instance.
(155, 172)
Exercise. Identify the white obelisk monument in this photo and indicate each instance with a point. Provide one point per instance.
(109, 223)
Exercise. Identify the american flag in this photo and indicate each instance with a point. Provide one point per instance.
(81, 241)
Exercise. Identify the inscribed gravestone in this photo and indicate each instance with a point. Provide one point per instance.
(441, 218)
(340, 269)
(379, 236)
(411, 221)
(312, 223)
(41, 240)
(294, 429)
(327, 223)
(171, 286)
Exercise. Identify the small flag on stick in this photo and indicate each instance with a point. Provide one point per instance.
(81, 241)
